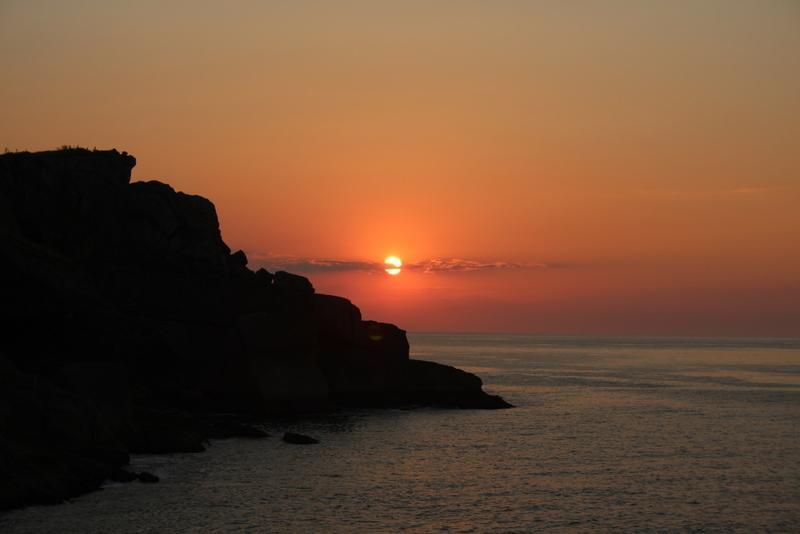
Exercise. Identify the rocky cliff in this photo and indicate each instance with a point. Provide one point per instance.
(124, 315)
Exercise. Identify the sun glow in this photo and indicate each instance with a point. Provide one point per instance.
(393, 264)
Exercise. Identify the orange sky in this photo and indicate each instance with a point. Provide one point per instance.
(633, 167)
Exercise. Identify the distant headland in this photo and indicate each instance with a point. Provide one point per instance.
(128, 324)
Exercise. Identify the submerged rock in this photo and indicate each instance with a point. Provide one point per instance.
(122, 475)
(299, 439)
(232, 429)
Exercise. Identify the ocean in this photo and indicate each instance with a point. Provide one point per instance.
(644, 434)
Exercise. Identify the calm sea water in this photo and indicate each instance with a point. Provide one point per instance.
(632, 434)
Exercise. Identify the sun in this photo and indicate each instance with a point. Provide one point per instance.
(393, 264)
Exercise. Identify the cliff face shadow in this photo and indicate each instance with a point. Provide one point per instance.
(127, 315)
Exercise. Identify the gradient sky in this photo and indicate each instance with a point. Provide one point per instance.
(615, 167)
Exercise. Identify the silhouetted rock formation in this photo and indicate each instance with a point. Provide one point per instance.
(123, 311)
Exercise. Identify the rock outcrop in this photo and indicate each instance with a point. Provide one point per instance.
(125, 314)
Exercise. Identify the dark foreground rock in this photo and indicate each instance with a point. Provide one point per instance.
(126, 320)
(148, 478)
(298, 439)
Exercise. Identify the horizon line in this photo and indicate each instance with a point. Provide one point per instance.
(607, 336)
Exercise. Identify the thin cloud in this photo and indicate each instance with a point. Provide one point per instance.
(432, 266)
(456, 265)
(694, 193)
(315, 265)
